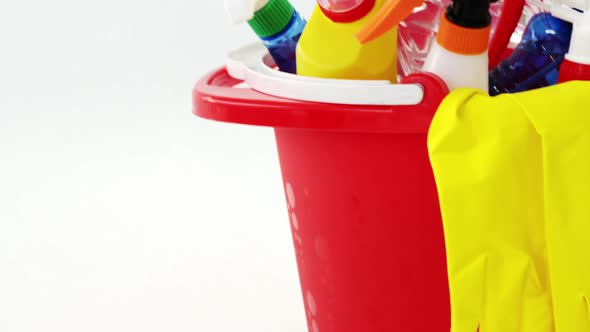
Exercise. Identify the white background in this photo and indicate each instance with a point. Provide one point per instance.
(119, 209)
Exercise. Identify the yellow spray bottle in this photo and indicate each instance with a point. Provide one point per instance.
(329, 48)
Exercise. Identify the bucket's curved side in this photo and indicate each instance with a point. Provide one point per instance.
(367, 230)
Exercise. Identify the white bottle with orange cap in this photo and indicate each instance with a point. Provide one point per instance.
(460, 54)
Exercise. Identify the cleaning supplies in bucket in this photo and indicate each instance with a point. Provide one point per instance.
(460, 54)
(417, 33)
(276, 23)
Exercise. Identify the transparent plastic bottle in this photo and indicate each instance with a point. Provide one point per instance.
(535, 62)
(531, 8)
(417, 33)
(276, 23)
(282, 46)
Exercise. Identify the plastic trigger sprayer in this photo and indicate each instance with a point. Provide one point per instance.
(460, 55)
(577, 61)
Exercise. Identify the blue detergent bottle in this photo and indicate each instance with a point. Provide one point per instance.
(536, 60)
(276, 23)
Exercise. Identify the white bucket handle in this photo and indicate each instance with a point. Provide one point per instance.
(252, 64)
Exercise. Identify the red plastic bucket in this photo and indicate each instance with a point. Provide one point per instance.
(362, 202)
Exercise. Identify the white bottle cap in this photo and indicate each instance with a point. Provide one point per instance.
(243, 10)
(579, 51)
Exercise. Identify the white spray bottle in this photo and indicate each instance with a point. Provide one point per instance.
(460, 54)
(577, 62)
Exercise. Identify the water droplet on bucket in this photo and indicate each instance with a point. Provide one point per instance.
(314, 326)
(298, 239)
(311, 305)
(290, 195)
(294, 221)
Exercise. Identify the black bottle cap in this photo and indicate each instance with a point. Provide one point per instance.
(470, 13)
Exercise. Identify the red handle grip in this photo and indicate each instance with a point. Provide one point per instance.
(511, 13)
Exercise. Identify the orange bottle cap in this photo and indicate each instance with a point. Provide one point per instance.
(466, 41)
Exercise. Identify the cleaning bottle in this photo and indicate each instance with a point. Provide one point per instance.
(412, 35)
(460, 54)
(417, 33)
(276, 23)
(328, 47)
(535, 62)
(577, 61)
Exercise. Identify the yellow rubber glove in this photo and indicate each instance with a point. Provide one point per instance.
(513, 174)
(563, 120)
(487, 160)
